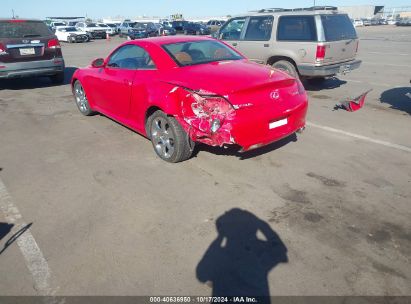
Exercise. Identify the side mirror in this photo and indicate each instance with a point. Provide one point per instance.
(98, 63)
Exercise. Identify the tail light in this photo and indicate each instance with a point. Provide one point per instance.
(320, 55)
(53, 44)
(2, 49)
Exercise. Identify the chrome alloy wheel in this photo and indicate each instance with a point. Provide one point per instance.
(163, 137)
(81, 98)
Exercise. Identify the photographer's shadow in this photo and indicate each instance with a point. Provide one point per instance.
(238, 262)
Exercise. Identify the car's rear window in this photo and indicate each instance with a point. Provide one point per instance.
(338, 27)
(23, 29)
(199, 52)
(297, 28)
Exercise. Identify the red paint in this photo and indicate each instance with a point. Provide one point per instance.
(53, 44)
(244, 96)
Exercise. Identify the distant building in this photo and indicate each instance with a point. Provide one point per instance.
(363, 11)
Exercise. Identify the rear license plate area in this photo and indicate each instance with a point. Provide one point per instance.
(278, 123)
(27, 51)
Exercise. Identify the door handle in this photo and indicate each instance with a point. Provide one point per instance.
(266, 45)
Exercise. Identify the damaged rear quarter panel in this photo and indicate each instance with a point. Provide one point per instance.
(197, 112)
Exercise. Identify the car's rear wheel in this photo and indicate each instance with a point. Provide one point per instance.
(170, 141)
(287, 67)
(57, 78)
(81, 99)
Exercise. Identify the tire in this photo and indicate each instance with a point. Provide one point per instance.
(57, 78)
(81, 99)
(287, 67)
(170, 142)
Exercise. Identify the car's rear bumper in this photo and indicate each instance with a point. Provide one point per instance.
(31, 68)
(328, 70)
(252, 134)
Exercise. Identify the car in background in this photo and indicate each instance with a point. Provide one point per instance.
(392, 21)
(54, 24)
(358, 22)
(215, 25)
(179, 91)
(142, 30)
(179, 25)
(70, 34)
(366, 22)
(92, 29)
(382, 22)
(313, 43)
(374, 22)
(28, 48)
(193, 28)
(109, 30)
(167, 31)
(124, 28)
(404, 22)
(113, 26)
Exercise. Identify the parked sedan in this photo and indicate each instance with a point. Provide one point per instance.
(196, 29)
(71, 35)
(178, 91)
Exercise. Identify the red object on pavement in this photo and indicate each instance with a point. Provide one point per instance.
(353, 104)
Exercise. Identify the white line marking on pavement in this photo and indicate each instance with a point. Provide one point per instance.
(365, 138)
(34, 259)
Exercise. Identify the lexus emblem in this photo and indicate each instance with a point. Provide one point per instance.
(275, 95)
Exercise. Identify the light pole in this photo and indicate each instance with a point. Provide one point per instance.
(12, 11)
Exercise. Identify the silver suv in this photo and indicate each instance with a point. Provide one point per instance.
(314, 42)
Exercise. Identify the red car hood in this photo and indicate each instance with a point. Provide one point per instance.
(228, 77)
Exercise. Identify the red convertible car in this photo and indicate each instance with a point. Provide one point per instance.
(177, 91)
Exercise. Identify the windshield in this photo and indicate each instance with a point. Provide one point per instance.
(91, 25)
(24, 29)
(139, 26)
(70, 29)
(200, 52)
(102, 25)
(338, 27)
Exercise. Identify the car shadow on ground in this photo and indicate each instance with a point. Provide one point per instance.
(314, 85)
(35, 82)
(398, 99)
(234, 150)
(5, 229)
(15, 236)
(238, 261)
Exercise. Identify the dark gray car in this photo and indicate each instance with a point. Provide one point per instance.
(28, 48)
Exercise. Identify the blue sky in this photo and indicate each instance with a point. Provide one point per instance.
(192, 8)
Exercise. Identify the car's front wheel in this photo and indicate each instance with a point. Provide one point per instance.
(170, 141)
(81, 99)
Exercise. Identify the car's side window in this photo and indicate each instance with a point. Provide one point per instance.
(259, 28)
(131, 57)
(232, 30)
(296, 28)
